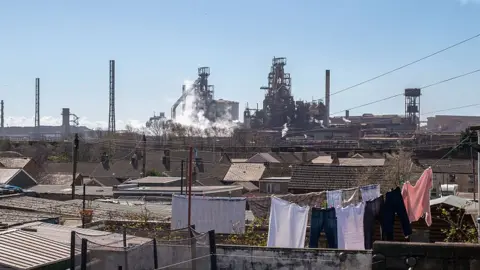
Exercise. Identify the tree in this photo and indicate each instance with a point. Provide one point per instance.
(398, 168)
(458, 229)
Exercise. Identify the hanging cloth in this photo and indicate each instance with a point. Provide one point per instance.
(417, 198)
(287, 224)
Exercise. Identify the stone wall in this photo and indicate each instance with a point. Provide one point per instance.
(263, 258)
(422, 256)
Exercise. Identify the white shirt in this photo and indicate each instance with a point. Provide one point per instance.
(350, 226)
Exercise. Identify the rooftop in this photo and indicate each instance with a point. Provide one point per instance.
(67, 189)
(319, 177)
(153, 180)
(27, 250)
(7, 174)
(13, 217)
(60, 233)
(14, 162)
(244, 172)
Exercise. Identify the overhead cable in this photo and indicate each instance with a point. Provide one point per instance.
(407, 65)
(423, 87)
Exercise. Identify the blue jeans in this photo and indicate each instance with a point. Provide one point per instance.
(323, 220)
(394, 205)
(373, 212)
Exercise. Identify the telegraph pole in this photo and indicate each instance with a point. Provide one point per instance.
(477, 130)
(181, 176)
(190, 165)
(144, 159)
(75, 157)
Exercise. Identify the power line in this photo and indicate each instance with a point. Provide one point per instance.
(451, 109)
(407, 65)
(423, 87)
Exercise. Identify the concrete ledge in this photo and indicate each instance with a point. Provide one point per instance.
(259, 258)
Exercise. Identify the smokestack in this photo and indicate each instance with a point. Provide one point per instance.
(2, 117)
(66, 122)
(326, 122)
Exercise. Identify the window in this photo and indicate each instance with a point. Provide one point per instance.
(269, 188)
(273, 188)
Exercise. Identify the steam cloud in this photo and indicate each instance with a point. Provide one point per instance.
(197, 124)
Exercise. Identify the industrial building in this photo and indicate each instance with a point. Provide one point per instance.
(279, 107)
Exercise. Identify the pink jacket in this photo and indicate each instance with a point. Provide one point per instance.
(417, 198)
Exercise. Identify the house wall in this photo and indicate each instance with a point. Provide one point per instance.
(396, 256)
(278, 187)
(32, 168)
(22, 180)
(464, 181)
(260, 258)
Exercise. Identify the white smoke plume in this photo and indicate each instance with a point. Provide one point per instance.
(284, 130)
(194, 123)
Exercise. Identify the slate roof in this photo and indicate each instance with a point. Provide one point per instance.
(353, 161)
(7, 174)
(245, 172)
(454, 166)
(102, 181)
(262, 158)
(14, 162)
(248, 186)
(283, 157)
(57, 179)
(319, 177)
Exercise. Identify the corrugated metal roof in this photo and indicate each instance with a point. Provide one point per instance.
(26, 250)
(61, 234)
(244, 172)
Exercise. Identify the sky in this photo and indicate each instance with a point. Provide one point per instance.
(157, 45)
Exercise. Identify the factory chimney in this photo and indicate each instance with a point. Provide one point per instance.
(2, 117)
(326, 121)
(66, 122)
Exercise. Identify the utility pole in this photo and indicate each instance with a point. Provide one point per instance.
(144, 159)
(190, 165)
(477, 129)
(181, 176)
(75, 156)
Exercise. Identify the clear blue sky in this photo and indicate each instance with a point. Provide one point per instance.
(159, 44)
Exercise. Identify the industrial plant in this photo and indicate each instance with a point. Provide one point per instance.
(279, 112)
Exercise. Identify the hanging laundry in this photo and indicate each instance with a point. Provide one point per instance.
(373, 212)
(222, 214)
(350, 226)
(370, 192)
(417, 198)
(342, 197)
(323, 220)
(287, 224)
(394, 204)
(260, 206)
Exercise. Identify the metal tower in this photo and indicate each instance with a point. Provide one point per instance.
(412, 106)
(278, 105)
(37, 106)
(111, 112)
